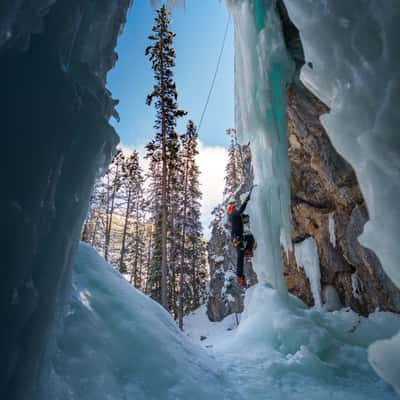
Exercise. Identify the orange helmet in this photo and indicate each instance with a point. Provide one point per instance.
(231, 208)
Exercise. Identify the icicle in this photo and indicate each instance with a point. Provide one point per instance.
(331, 227)
(307, 257)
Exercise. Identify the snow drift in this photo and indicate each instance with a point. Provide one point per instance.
(118, 344)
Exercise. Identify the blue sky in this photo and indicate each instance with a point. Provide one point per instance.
(199, 28)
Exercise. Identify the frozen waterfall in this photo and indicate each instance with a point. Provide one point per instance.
(262, 71)
(352, 54)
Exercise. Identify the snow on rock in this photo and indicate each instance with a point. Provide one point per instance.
(119, 344)
(331, 298)
(219, 259)
(331, 227)
(307, 257)
(355, 284)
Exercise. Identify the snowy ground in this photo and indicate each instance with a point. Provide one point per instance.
(117, 344)
(285, 351)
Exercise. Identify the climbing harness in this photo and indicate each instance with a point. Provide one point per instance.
(236, 242)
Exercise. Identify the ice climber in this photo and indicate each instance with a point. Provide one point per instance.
(236, 219)
(248, 238)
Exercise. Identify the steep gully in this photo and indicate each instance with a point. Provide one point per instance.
(54, 56)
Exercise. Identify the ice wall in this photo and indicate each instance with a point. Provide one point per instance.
(353, 48)
(262, 70)
(54, 108)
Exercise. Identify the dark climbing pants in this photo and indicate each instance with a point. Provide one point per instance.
(249, 241)
(240, 260)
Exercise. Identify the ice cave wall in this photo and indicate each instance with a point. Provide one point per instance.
(54, 56)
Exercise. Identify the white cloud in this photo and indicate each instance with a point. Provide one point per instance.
(212, 161)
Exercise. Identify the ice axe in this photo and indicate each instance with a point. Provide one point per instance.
(251, 191)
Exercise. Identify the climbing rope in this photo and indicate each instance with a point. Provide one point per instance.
(215, 73)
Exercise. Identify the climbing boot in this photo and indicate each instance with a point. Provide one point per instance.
(248, 253)
(242, 281)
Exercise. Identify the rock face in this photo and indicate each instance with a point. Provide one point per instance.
(327, 205)
(225, 295)
(54, 57)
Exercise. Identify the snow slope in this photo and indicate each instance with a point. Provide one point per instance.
(117, 344)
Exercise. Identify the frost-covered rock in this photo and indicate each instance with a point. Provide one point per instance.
(225, 295)
(328, 206)
(359, 81)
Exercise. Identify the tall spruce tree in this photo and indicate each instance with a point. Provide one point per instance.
(164, 97)
(234, 167)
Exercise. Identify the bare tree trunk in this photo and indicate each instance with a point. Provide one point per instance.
(122, 253)
(107, 216)
(194, 279)
(181, 281)
(135, 265)
(173, 293)
(148, 260)
(96, 224)
(108, 227)
(140, 286)
(86, 231)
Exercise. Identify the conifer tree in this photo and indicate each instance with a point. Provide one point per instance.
(112, 187)
(132, 243)
(164, 97)
(234, 167)
(191, 241)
